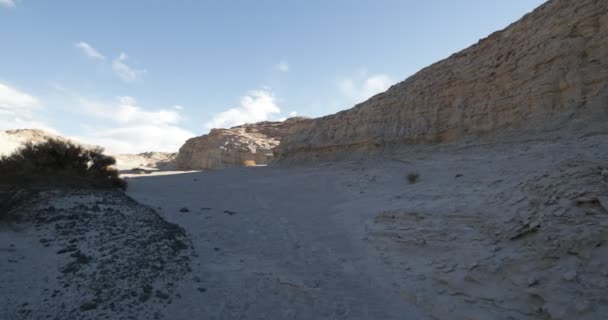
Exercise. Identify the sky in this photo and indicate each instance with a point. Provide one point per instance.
(141, 75)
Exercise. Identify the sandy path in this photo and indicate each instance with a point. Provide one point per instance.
(489, 231)
(271, 246)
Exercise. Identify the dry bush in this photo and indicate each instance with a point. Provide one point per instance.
(412, 177)
(57, 163)
(249, 163)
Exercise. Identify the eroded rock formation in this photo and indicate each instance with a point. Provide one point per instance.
(547, 70)
(11, 140)
(241, 145)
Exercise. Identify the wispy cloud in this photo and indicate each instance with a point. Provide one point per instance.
(12, 98)
(18, 110)
(126, 110)
(124, 71)
(137, 138)
(7, 3)
(131, 128)
(283, 66)
(362, 88)
(119, 65)
(89, 51)
(257, 105)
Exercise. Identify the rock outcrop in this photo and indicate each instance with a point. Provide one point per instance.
(240, 145)
(11, 140)
(544, 72)
(146, 161)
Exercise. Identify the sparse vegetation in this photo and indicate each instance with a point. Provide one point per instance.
(58, 163)
(249, 163)
(413, 177)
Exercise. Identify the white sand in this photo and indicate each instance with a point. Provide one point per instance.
(494, 231)
(357, 241)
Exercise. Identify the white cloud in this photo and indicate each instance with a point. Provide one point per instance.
(11, 98)
(178, 107)
(89, 51)
(125, 110)
(293, 114)
(133, 128)
(257, 105)
(17, 110)
(124, 71)
(137, 138)
(358, 90)
(283, 66)
(7, 3)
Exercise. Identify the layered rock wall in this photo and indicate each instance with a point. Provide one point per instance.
(242, 145)
(541, 73)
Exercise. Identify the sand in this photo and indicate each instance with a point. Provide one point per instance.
(509, 230)
(487, 232)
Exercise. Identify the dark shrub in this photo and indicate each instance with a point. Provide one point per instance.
(58, 163)
(412, 177)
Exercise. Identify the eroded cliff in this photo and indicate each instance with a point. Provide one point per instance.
(247, 144)
(544, 72)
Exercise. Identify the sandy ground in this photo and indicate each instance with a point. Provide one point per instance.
(89, 255)
(506, 231)
(271, 245)
(487, 231)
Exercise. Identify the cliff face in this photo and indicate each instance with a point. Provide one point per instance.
(541, 73)
(249, 143)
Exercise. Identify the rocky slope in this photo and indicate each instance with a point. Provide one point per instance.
(544, 72)
(249, 143)
(87, 255)
(10, 140)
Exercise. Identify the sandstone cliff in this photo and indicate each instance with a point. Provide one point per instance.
(548, 70)
(245, 144)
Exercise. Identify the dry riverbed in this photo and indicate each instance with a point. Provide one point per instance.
(497, 231)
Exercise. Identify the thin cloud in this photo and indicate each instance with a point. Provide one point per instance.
(257, 105)
(12, 98)
(7, 3)
(283, 66)
(126, 110)
(17, 110)
(361, 89)
(89, 51)
(124, 71)
(137, 138)
(131, 128)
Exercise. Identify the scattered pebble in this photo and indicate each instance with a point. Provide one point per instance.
(570, 275)
(161, 295)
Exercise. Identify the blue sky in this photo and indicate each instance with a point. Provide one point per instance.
(146, 75)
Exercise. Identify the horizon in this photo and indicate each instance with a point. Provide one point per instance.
(111, 82)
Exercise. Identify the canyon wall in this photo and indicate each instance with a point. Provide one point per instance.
(544, 72)
(248, 144)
